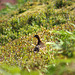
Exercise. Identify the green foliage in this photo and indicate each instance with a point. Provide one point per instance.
(68, 42)
(62, 67)
(9, 69)
(61, 3)
(56, 29)
(15, 70)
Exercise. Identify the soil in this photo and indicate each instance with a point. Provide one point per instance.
(2, 3)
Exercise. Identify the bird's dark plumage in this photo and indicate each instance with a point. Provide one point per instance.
(36, 49)
(39, 44)
(38, 39)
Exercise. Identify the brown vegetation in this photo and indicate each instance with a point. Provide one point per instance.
(2, 3)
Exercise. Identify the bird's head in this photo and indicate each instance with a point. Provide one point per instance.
(36, 36)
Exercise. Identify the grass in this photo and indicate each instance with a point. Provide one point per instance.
(56, 28)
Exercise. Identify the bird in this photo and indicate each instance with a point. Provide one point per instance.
(40, 44)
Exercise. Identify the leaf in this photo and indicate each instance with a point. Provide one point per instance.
(72, 24)
(69, 32)
(50, 43)
(72, 37)
(57, 47)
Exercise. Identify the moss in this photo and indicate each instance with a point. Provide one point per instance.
(62, 3)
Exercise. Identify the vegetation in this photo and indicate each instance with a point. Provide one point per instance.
(54, 22)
